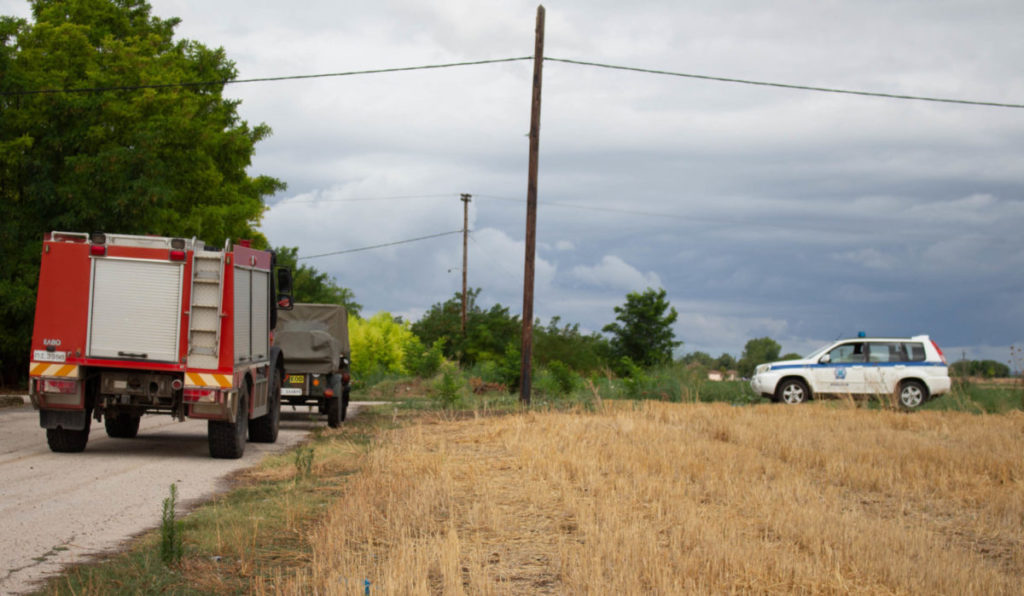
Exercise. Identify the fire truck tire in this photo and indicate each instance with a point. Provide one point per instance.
(62, 440)
(264, 429)
(122, 426)
(227, 440)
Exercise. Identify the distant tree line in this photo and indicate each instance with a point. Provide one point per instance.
(990, 369)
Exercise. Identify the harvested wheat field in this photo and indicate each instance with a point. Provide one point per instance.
(681, 498)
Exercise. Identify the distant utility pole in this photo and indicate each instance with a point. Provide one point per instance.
(531, 213)
(465, 237)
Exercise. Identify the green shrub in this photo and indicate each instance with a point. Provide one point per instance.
(449, 388)
(171, 548)
(424, 362)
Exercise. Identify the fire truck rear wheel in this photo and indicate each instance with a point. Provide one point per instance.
(264, 429)
(62, 440)
(227, 440)
(122, 426)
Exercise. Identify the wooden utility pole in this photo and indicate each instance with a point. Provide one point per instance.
(531, 214)
(465, 260)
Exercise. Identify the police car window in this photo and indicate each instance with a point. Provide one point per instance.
(847, 353)
(915, 351)
(887, 352)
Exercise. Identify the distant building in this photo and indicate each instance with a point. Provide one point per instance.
(717, 375)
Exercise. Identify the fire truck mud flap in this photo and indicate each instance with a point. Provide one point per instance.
(66, 419)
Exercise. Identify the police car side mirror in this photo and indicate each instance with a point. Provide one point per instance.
(825, 359)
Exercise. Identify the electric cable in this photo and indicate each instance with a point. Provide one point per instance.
(787, 85)
(262, 79)
(341, 252)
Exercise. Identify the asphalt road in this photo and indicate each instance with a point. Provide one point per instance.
(61, 508)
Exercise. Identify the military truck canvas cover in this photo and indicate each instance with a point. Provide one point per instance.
(313, 337)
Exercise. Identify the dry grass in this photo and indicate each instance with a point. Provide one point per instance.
(673, 498)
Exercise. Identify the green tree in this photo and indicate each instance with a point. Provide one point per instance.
(702, 358)
(726, 362)
(381, 345)
(104, 148)
(489, 333)
(311, 285)
(979, 368)
(758, 351)
(644, 332)
(569, 347)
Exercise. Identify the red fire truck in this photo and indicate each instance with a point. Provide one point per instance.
(129, 325)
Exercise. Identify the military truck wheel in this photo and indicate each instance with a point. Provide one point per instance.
(227, 440)
(62, 440)
(334, 412)
(122, 426)
(265, 428)
(344, 403)
(337, 405)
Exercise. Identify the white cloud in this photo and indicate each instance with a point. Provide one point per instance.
(613, 272)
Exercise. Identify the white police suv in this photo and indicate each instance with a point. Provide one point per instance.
(913, 369)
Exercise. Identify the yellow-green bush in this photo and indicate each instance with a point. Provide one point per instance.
(380, 344)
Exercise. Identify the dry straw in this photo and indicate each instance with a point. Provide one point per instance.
(681, 498)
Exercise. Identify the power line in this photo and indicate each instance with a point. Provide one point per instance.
(363, 199)
(262, 79)
(516, 59)
(789, 86)
(341, 252)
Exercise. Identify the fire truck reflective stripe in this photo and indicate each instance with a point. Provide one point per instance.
(194, 379)
(45, 369)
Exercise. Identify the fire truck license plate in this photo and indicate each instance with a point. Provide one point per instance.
(44, 356)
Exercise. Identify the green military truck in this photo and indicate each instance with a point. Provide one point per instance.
(315, 337)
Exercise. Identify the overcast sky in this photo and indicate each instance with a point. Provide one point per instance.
(798, 215)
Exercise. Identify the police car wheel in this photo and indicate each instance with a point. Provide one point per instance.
(912, 394)
(792, 391)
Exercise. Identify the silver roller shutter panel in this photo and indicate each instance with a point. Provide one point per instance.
(135, 309)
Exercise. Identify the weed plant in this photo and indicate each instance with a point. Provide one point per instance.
(171, 548)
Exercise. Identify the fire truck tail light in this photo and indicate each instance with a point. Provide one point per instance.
(201, 395)
(54, 386)
(177, 255)
(97, 250)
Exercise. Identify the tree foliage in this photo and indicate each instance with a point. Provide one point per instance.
(979, 368)
(758, 351)
(557, 345)
(380, 345)
(489, 333)
(97, 152)
(643, 331)
(311, 285)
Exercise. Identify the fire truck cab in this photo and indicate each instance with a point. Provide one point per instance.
(130, 325)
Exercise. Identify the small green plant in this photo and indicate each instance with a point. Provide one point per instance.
(635, 380)
(171, 549)
(447, 389)
(565, 379)
(425, 362)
